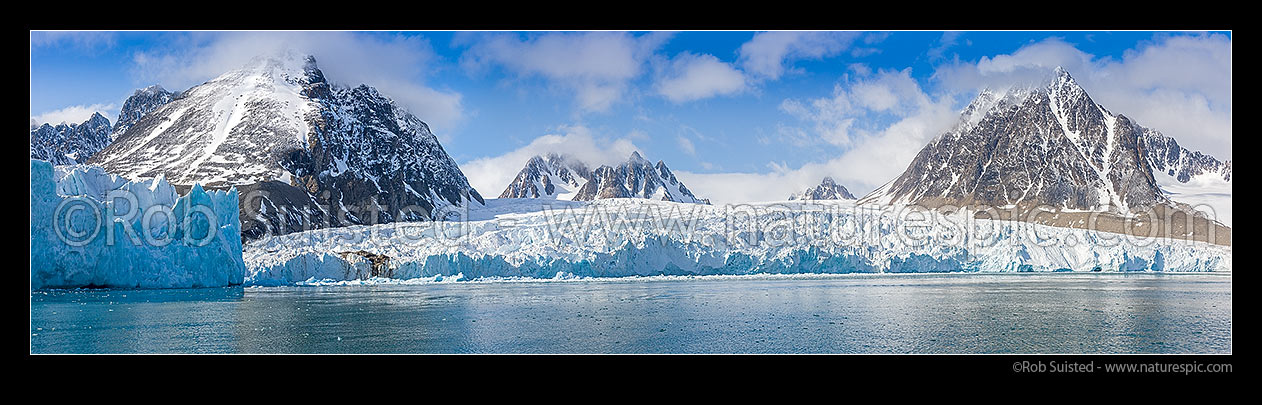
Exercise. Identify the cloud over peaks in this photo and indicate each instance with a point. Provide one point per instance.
(1179, 85)
(397, 65)
(490, 175)
(75, 114)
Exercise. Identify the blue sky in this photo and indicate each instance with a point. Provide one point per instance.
(738, 115)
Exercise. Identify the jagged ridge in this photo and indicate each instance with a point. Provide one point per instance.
(826, 190)
(66, 144)
(550, 176)
(636, 178)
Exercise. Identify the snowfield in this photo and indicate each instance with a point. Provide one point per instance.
(93, 229)
(1207, 193)
(548, 239)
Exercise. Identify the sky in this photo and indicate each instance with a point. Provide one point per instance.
(738, 116)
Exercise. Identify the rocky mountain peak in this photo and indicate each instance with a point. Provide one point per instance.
(141, 102)
(828, 189)
(97, 121)
(664, 171)
(66, 144)
(1170, 160)
(548, 176)
(636, 178)
(1049, 144)
(327, 155)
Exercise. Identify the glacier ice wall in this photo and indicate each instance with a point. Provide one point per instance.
(93, 229)
(628, 237)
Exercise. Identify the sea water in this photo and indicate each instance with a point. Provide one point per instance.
(936, 313)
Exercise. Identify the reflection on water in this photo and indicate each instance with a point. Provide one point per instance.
(1042, 313)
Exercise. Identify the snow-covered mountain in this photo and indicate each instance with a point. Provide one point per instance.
(304, 153)
(65, 144)
(826, 190)
(1168, 158)
(1047, 144)
(636, 178)
(551, 176)
(1051, 145)
(1189, 177)
(141, 102)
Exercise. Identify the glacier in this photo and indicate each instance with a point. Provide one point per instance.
(625, 237)
(94, 229)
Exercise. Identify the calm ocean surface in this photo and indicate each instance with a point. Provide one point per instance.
(939, 313)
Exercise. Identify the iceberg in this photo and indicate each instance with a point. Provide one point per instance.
(93, 229)
(530, 238)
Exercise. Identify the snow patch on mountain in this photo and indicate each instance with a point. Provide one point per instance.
(553, 176)
(1190, 177)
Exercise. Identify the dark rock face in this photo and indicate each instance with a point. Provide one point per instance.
(547, 177)
(277, 208)
(313, 154)
(1167, 157)
(1048, 145)
(826, 190)
(378, 265)
(67, 144)
(368, 153)
(140, 103)
(636, 178)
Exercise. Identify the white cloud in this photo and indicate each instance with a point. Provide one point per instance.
(861, 52)
(948, 40)
(860, 69)
(686, 146)
(396, 65)
(86, 40)
(75, 114)
(768, 53)
(490, 175)
(1179, 85)
(876, 37)
(691, 77)
(734, 188)
(871, 162)
(596, 66)
(881, 121)
(858, 107)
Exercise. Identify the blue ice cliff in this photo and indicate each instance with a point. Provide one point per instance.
(93, 229)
